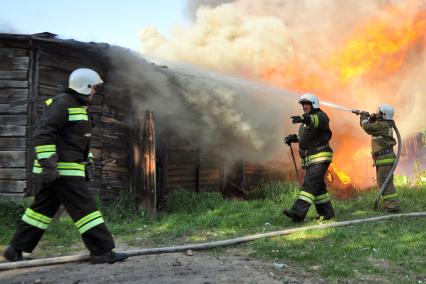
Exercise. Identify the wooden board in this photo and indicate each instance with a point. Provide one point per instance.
(12, 159)
(8, 96)
(12, 196)
(19, 173)
(13, 75)
(12, 186)
(12, 130)
(14, 63)
(13, 84)
(13, 120)
(8, 109)
(13, 144)
(13, 52)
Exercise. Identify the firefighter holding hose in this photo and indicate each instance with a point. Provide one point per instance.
(379, 126)
(316, 155)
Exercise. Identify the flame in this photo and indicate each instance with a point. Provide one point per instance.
(380, 46)
(374, 51)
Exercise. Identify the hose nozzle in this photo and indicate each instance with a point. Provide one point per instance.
(360, 112)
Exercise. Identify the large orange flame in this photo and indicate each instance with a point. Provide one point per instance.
(374, 51)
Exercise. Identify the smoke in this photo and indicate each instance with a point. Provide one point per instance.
(354, 53)
(222, 115)
(192, 6)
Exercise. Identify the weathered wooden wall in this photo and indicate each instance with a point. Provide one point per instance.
(34, 69)
(14, 93)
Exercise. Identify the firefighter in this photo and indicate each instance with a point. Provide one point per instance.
(379, 126)
(316, 155)
(62, 148)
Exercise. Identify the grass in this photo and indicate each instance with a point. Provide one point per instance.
(391, 251)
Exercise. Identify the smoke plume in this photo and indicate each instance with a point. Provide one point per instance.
(355, 53)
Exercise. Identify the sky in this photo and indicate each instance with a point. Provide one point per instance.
(114, 22)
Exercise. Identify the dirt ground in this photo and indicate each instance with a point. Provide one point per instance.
(164, 268)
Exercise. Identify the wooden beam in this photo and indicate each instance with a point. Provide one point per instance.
(13, 84)
(13, 144)
(12, 174)
(14, 63)
(12, 159)
(12, 196)
(14, 75)
(17, 109)
(12, 130)
(13, 186)
(149, 200)
(13, 52)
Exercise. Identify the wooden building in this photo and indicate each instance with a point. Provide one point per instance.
(131, 152)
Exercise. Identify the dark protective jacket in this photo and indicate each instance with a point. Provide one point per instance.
(64, 129)
(382, 141)
(314, 138)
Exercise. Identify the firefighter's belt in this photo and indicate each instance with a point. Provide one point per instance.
(382, 152)
(314, 150)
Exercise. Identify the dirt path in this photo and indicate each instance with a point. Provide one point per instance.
(164, 268)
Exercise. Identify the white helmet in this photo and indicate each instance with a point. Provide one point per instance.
(387, 111)
(83, 79)
(310, 98)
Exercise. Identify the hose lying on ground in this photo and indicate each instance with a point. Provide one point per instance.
(390, 175)
(229, 242)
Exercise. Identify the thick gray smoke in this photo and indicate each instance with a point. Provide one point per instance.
(192, 6)
(224, 115)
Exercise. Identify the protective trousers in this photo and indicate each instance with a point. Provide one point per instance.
(74, 195)
(314, 191)
(390, 197)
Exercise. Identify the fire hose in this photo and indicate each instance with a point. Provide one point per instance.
(395, 163)
(202, 246)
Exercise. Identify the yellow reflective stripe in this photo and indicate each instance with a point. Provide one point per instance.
(45, 155)
(38, 216)
(72, 173)
(34, 223)
(76, 117)
(316, 158)
(90, 225)
(45, 148)
(322, 198)
(36, 219)
(88, 218)
(314, 120)
(77, 110)
(48, 102)
(306, 196)
(70, 166)
(390, 196)
(382, 162)
(90, 155)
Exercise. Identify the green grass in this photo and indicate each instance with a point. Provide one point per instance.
(390, 251)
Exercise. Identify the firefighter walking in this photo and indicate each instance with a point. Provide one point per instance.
(379, 126)
(62, 147)
(316, 155)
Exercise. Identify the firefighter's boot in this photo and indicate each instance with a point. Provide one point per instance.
(292, 215)
(12, 254)
(108, 257)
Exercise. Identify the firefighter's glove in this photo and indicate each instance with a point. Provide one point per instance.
(49, 171)
(372, 118)
(292, 138)
(305, 119)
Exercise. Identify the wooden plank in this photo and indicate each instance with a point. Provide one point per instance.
(182, 178)
(13, 51)
(13, 186)
(12, 159)
(13, 84)
(13, 120)
(12, 174)
(12, 130)
(12, 196)
(13, 75)
(48, 90)
(8, 109)
(14, 63)
(14, 144)
(8, 96)
(53, 77)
